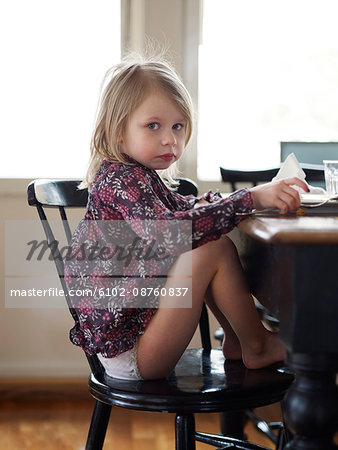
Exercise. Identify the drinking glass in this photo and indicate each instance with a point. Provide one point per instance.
(331, 177)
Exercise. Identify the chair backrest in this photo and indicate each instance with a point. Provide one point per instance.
(242, 176)
(63, 194)
(313, 174)
(187, 187)
(60, 194)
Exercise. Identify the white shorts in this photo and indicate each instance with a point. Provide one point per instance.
(123, 366)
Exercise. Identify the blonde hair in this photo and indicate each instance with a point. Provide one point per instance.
(124, 87)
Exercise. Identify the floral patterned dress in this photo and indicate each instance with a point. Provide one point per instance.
(135, 195)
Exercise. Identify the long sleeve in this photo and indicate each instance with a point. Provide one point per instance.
(141, 198)
(189, 201)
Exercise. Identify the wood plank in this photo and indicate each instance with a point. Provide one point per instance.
(55, 425)
(54, 414)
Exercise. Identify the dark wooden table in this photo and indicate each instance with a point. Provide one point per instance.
(292, 267)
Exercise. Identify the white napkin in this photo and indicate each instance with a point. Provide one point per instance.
(291, 168)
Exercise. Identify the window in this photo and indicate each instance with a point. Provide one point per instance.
(54, 56)
(268, 73)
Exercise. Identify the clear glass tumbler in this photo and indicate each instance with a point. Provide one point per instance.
(331, 177)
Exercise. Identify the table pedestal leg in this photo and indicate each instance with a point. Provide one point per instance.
(311, 404)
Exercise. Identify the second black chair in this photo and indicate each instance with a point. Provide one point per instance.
(252, 177)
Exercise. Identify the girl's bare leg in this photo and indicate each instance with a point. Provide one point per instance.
(231, 346)
(217, 275)
(233, 306)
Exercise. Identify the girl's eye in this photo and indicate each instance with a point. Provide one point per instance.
(153, 126)
(178, 126)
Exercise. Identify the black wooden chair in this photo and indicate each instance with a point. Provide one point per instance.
(202, 380)
(252, 177)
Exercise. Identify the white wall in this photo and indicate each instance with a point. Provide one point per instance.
(34, 342)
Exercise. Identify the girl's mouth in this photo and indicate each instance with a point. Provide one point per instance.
(167, 157)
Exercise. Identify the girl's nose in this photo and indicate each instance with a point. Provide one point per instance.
(169, 138)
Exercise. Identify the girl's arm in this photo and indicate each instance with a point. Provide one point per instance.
(190, 201)
(137, 196)
(180, 231)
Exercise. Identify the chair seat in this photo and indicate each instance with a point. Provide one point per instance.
(201, 382)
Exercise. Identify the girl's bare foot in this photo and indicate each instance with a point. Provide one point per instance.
(271, 351)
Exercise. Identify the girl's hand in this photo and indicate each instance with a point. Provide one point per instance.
(278, 194)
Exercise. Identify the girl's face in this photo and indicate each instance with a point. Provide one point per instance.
(155, 133)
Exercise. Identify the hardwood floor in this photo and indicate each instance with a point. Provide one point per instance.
(56, 415)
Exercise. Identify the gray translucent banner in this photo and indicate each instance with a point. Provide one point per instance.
(109, 264)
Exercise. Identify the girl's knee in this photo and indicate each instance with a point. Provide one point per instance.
(219, 247)
(209, 257)
(227, 243)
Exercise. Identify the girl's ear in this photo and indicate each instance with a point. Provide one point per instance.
(119, 140)
(120, 143)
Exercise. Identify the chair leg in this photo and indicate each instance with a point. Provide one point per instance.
(280, 440)
(232, 424)
(98, 426)
(185, 432)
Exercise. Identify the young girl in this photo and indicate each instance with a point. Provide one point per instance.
(143, 125)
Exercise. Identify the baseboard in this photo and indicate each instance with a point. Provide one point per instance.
(77, 368)
(28, 389)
